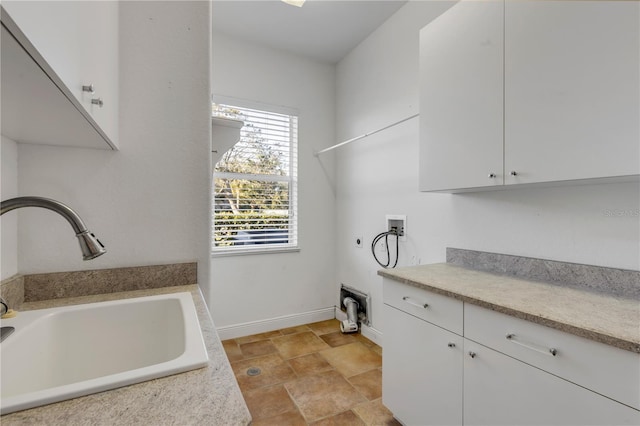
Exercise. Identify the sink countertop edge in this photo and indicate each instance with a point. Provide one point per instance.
(208, 395)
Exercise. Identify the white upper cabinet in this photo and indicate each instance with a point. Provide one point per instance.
(572, 90)
(75, 43)
(530, 92)
(461, 102)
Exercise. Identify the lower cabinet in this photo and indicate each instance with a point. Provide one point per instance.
(500, 390)
(433, 376)
(422, 370)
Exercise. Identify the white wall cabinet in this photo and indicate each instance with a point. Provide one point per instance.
(529, 92)
(461, 102)
(75, 44)
(498, 381)
(572, 90)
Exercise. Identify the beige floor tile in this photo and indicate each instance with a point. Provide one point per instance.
(368, 384)
(337, 338)
(256, 337)
(295, 345)
(324, 327)
(374, 413)
(293, 330)
(310, 373)
(348, 418)
(377, 349)
(259, 348)
(368, 343)
(323, 395)
(273, 368)
(232, 350)
(268, 402)
(365, 341)
(293, 418)
(307, 365)
(352, 359)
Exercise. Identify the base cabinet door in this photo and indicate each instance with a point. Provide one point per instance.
(422, 370)
(500, 390)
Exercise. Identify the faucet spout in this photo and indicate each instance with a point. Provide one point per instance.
(90, 245)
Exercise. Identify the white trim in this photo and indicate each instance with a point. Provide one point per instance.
(370, 333)
(220, 252)
(246, 103)
(285, 321)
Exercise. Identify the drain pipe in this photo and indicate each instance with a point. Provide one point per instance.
(350, 325)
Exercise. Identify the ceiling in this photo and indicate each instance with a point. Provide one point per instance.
(324, 30)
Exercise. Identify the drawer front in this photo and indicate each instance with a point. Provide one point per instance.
(610, 371)
(442, 311)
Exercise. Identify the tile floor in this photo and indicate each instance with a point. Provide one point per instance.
(310, 375)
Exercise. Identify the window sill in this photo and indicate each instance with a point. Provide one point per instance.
(253, 251)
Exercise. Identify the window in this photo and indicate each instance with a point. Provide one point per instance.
(255, 184)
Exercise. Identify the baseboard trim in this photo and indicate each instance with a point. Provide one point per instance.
(370, 333)
(270, 324)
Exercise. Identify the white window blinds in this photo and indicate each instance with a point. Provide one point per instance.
(255, 184)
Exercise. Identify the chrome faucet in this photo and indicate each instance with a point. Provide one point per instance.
(5, 331)
(91, 247)
(4, 308)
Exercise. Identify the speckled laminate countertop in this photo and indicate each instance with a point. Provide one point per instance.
(596, 316)
(206, 396)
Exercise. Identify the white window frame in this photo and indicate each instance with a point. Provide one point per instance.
(292, 179)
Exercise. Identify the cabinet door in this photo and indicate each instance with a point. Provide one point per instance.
(500, 390)
(79, 42)
(421, 371)
(605, 369)
(461, 98)
(572, 90)
(54, 28)
(29, 97)
(99, 62)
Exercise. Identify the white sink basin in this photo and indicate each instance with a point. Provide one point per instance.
(67, 352)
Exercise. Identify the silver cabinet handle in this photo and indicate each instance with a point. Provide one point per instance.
(513, 173)
(451, 345)
(472, 354)
(88, 88)
(97, 101)
(550, 351)
(419, 305)
(492, 175)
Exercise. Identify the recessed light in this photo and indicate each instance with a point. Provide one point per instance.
(298, 3)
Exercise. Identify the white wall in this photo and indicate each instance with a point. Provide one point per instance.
(148, 202)
(259, 287)
(9, 222)
(377, 84)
